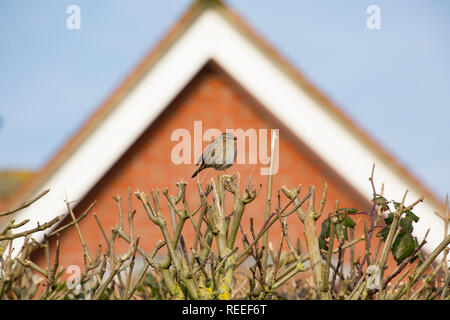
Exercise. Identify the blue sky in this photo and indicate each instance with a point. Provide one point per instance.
(395, 82)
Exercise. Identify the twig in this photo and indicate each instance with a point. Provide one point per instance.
(25, 204)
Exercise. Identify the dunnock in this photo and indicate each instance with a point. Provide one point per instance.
(219, 154)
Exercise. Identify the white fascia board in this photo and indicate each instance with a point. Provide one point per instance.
(212, 36)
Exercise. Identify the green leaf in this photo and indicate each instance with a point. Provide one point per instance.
(383, 233)
(322, 244)
(388, 220)
(411, 215)
(341, 232)
(382, 202)
(406, 225)
(402, 247)
(325, 232)
(349, 222)
(349, 210)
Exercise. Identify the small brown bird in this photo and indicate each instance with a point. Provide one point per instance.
(219, 154)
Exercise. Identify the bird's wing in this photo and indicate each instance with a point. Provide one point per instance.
(230, 152)
(206, 155)
(209, 154)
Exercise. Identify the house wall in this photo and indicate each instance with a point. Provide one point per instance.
(215, 99)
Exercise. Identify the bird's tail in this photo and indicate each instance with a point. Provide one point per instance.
(197, 171)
